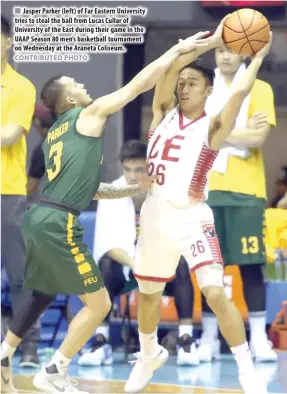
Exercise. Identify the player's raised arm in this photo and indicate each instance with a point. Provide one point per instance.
(223, 123)
(164, 99)
(101, 108)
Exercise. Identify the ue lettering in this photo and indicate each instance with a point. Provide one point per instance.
(168, 147)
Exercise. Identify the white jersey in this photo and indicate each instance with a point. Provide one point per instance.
(180, 155)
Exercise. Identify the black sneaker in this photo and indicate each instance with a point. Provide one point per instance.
(99, 341)
(29, 359)
(186, 351)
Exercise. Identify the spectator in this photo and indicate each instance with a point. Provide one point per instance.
(17, 105)
(280, 190)
(117, 227)
(283, 202)
(238, 196)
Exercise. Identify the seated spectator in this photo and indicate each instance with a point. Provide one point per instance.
(117, 227)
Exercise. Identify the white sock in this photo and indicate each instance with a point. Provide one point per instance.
(60, 361)
(257, 323)
(149, 344)
(104, 330)
(185, 329)
(209, 328)
(243, 358)
(7, 350)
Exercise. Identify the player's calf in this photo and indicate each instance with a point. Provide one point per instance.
(232, 328)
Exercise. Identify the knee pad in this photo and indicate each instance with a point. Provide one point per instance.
(149, 287)
(28, 311)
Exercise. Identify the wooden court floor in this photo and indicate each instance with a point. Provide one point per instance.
(24, 384)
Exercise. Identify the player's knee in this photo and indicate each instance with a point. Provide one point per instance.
(150, 289)
(102, 298)
(215, 297)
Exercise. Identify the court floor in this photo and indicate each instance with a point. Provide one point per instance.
(218, 377)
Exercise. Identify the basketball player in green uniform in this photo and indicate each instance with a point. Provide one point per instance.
(57, 259)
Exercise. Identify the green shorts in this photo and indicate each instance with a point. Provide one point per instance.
(240, 228)
(58, 261)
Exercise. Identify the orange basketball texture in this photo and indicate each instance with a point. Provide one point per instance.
(246, 31)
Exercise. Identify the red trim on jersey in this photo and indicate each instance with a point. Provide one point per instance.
(150, 134)
(210, 234)
(193, 269)
(182, 126)
(199, 265)
(154, 278)
(199, 179)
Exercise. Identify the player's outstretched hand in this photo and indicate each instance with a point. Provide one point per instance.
(216, 38)
(265, 50)
(192, 42)
(146, 182)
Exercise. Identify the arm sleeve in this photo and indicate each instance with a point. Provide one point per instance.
(262, 100)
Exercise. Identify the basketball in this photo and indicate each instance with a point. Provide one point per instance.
(246, 31)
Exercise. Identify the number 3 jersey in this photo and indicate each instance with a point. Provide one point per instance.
(72, 163)
(179, 154)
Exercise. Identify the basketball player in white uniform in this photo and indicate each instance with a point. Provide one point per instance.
(175, 220)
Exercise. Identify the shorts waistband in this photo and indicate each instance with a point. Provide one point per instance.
(44, 202)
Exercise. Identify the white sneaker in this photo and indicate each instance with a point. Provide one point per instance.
(187, 358)
(252, 384)
(101, 356)
(261, 350)
(6, 377)
(143, 370)
(208, 350)
(57, 382)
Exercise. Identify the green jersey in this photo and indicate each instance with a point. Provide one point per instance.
(72, 163)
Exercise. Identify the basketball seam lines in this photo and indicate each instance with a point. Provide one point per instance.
(251, 19)
(238, 39)
(235, 31)
(245, 34)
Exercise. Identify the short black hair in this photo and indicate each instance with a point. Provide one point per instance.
(133, 149)
(5, 26)
(206, 71)
(51, 92)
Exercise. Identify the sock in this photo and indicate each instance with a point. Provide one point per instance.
(149, 344)
(257, 323)
(104, 330)
(243, 358)
(60, 361)
(7, 350)
(185, 329)
(209, 328)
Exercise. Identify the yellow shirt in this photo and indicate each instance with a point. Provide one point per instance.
(247, 176)
(18, 96)
(276, 231)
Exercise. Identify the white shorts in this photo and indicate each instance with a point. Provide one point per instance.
(167, 232)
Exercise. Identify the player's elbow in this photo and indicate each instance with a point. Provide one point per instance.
(259, 138)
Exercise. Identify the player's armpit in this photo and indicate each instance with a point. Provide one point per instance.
(10, 134)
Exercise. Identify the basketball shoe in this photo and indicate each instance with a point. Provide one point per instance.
(143, 370)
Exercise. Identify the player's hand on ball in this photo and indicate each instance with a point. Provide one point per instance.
(216, 38)
(258, 120)
(192, 42)
(265, 50)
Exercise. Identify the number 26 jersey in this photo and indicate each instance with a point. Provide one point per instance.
(179, 154)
